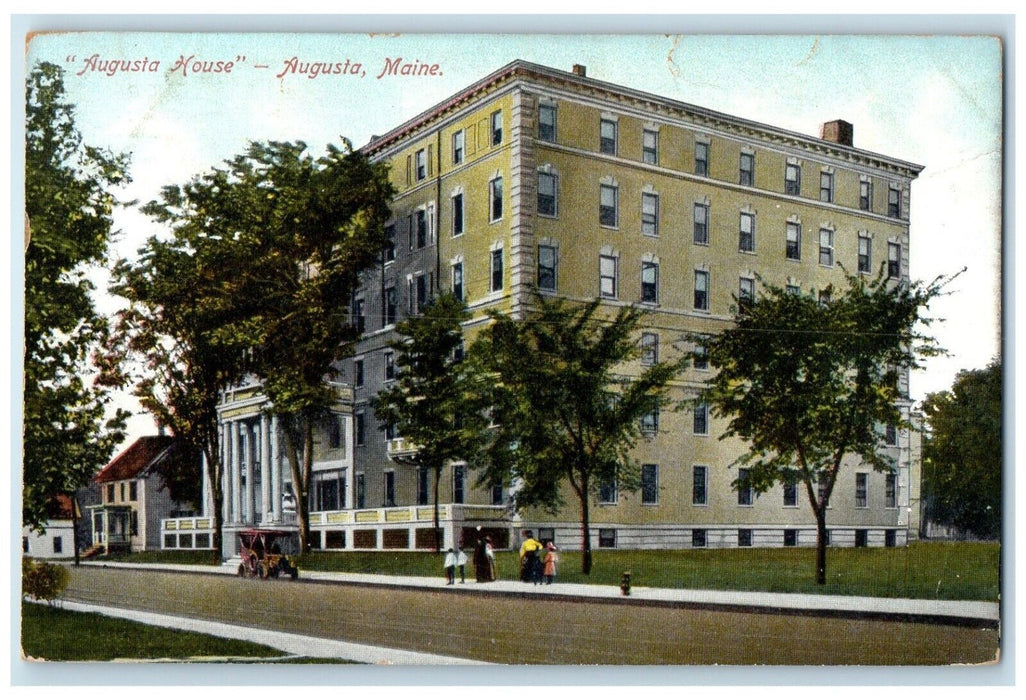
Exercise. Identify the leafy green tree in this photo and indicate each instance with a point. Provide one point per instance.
(567, 413)
(808, 383)
(70, 429)
(286, 236)
(436, 401)
(962, 454)
(169, 344)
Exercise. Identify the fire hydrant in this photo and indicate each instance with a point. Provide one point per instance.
(625, 583)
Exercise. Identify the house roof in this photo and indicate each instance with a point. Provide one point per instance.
(136, 458)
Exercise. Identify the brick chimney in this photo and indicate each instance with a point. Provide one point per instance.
(580, 70)
(838, 131)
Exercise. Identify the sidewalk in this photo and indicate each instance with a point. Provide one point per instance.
(958, 612)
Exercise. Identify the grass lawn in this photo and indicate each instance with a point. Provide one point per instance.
(941, 570)
(162, 557)
(932, 570)
(53, 634)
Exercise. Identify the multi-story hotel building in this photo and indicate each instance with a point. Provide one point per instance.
(540, 180)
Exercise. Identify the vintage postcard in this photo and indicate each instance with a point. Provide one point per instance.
(491, 348)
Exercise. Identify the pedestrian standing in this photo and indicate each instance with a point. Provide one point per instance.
(450, 567)
(461, 561)
(493, 572)
(550, 562)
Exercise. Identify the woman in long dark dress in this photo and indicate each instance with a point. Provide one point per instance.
(482, 566)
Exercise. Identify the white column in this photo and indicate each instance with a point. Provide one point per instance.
(236, 469)
(250, 471)
(350, 494)
(205, 485)
(265, 468)
(226, 474)
(275, 472)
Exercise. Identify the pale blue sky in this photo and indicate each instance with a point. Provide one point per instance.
(931, 100)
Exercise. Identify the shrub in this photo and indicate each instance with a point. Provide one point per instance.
(43, 580)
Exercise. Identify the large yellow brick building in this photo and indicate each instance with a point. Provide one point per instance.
(537, 179)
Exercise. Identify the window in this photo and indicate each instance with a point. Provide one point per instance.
(457, 280)
(700, 357)
(861, 538)
(546, 194)
(744, 491)
(865, 254)
(650, 146)
(389, 252)
(793, 289)
(744, 538)
(359, 320)
(824, 296)
(496, 270)
(607, 276)
(25, 545)
(390, 306)
(649, 484)
(746, 237)
(122, 490)
(607, 538)
(698, 538)
(607, 205)
(826, 187)
(701, 236)
(650, 214)
(547, 268)
(747, 170)
(495, 198)
(891, 435)
(793, 179)
(890, 490)
(334, 432)
(389, 365)
(358, 373)
(699, 485)
(459, 142)
(607, 491)
(496, 128)
(650, 422)
(110, 493)
(894, 260)
(701, 158)
(745, 292)
(361, 491)
(497, 494)
(650, 282)
(821, 487)
(547, 123)
(861, 490)
(133, 523)
(326, 492)
(389, 494)
(133, 491)
(890, 538)
(790, 538)
(701, 419)
(421, 160)
(420, 288)
(794, 241)
(866, 195)
(701, 290)
(419, 234)
(607, 137)
(58, 545)
(826, 247)
(358, 428)
(649, 349)
(457, 214)
(790, 495)
(459, 483)
(893, 202)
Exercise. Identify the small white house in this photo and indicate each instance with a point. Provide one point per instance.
(58, 541)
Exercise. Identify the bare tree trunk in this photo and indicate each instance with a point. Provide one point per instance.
(215, 471)
(74, 527)
(585, 534)
(438, 534)
(298, 489)
(821, 536)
